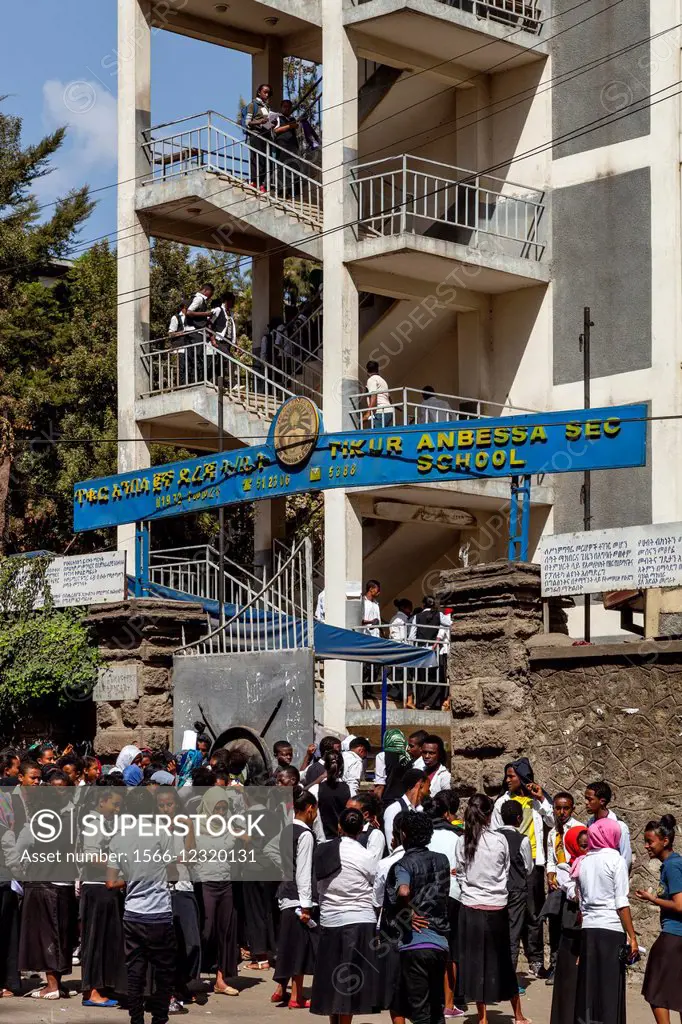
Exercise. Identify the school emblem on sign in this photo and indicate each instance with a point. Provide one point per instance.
(296, 431)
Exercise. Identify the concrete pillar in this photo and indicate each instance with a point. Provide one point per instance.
(474, 354)
(474, 136)
(134, 105)
(269, 524)
(266, 293)
(342, 564)
(342, 524)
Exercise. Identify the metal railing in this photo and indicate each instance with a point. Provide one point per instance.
(196, 570)
(524, 14)
(173, 364)
(278, 617)
(306, 336)
(411, 405)
(410, 194)
(215, 143)
(411, 687)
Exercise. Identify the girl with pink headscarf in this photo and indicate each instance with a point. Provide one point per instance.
(607, 929)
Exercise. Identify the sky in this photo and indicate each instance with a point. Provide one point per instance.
(67, 76)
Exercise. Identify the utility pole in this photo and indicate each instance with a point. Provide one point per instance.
(221, 510)
(586, 493)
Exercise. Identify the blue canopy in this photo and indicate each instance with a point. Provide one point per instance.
(329, 642)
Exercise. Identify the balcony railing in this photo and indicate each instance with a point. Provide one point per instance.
(410, 405)
(176, 364)
(411, 687)
(214, 143)
(409, 194)
(523, 14)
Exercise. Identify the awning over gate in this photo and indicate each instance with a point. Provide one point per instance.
(330, 642)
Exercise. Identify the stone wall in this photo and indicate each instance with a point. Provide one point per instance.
(141, 634)
(496, 609)
(614, 712)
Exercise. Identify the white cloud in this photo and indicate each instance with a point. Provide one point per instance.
(89, 111)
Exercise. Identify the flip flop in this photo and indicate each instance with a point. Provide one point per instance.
(36, 994)
(108, 1003)
(305, 1005)
(258, 965)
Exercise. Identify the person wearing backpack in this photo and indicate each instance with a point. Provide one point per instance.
(428, 626)
(258, 125)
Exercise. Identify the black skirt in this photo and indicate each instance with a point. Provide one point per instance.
(102, 956)
(663, 977)
(47, 933)
(9, 938)
(453, 938)
(220, 927)
(188, 936)
(258, 900)
(600, 992)
(565, 977)
(296, 946)
(348, 977)
(485, 963)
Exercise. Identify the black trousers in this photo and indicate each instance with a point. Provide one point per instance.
(533, 942)
(517, 905)
(149, 945)
(422, 987)
(258, 158)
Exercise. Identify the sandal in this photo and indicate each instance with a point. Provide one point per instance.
(258, 965)
(305, 1005)
(282, 997)
(6, 994)
(37, 993)
(227, 991)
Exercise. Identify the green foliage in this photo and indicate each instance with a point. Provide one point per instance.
(43, 654)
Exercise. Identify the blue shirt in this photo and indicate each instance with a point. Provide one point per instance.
(671, 883)
(426, 938)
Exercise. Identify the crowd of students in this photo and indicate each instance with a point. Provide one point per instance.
(391, 900)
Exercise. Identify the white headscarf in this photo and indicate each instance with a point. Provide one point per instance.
(345, 744)
(126, 757)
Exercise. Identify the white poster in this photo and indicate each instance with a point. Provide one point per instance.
(86, 579)
(632, 558)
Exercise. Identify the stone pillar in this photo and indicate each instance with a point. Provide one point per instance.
(134, 104)
(134, 694)
(496, 609)
(342, 524)
(269, 524)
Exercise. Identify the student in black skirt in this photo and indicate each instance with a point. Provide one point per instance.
(603, 886)
(297, 897)
(219, 936)
(487, 971)
(565, 979)
(347, 979)
(101, 913)
(332, 795)
(662, 987)
(9, 903)
(372, 835)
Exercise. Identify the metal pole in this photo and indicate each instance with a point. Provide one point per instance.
(221, 510)
(585, 340)
(384, 699)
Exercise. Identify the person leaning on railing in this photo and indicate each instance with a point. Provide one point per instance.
(177, 330)
(258, 124)
(285, 134)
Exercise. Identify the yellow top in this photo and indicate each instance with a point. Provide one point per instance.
(527, 827)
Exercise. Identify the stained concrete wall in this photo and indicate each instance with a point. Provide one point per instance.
(240, 692)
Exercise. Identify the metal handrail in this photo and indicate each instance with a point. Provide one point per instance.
(261, 166)
(406, 409)
(523, 13)
(175, 556)
(238, 629)
(172, 364)
(411, 194)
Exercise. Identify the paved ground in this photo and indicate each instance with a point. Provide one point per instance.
(253, 1004)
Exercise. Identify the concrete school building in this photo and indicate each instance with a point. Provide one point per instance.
(487, 169)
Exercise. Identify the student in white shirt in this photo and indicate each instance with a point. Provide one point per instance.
(603, 885)
(598, 796)
(371, 612)
(379, 412)
(345, 878)
(433, 753)
(482, 869)
(433, 408)
(372, 836)
(223, 325)
(397, 629)
(415, 790)
(320, 607)
(564, 806)
(198, 312)
(384, 866)
(354, 759)
(414, 747)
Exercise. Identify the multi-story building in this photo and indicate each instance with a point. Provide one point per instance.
(488, 169)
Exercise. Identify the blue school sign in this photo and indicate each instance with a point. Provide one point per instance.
(299, 456)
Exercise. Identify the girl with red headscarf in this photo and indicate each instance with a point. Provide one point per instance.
(566, 969)
(607, 929)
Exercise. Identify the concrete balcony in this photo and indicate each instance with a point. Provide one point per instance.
(180, 399)
(249, 25)
(450, 39)
(421, 219)
(209, 187)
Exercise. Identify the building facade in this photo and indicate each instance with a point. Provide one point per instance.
(488, 168)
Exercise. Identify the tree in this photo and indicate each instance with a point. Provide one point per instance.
(27, 244)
